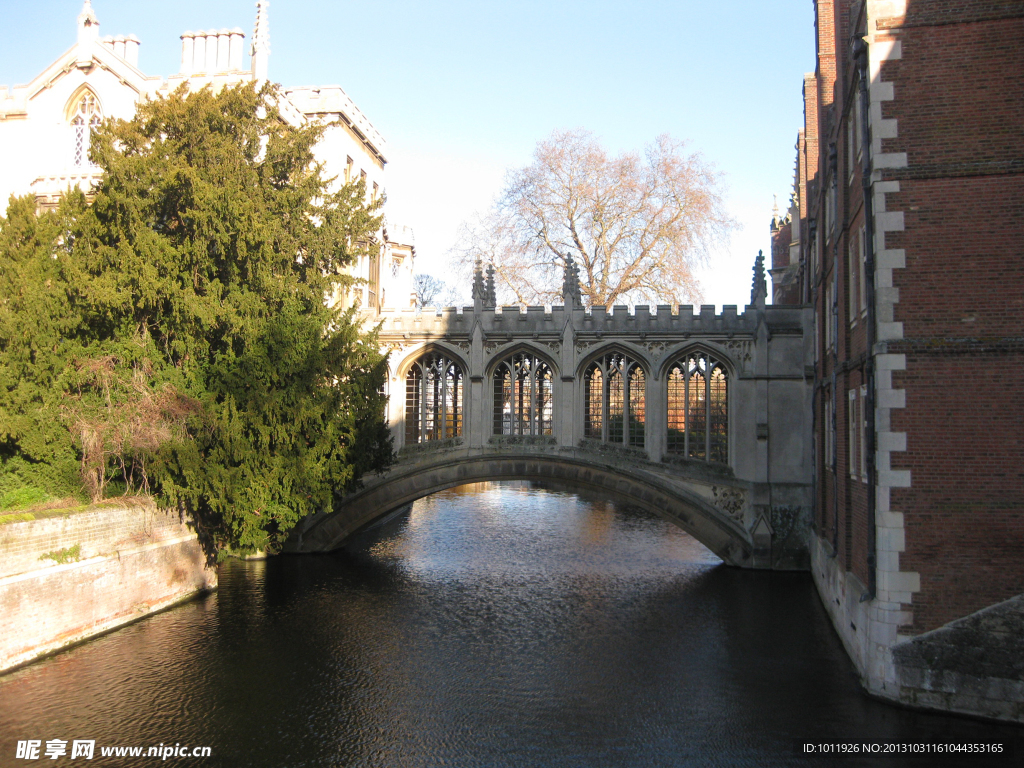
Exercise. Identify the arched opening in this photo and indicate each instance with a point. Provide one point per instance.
(615, 400)
(698, 408)
(434, 393)
(523, 395)
(84, 115)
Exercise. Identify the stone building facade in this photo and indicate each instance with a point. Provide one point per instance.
(45, 127)
(785, 269)
(908, 226)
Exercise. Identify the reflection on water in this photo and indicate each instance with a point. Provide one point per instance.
(496, 625)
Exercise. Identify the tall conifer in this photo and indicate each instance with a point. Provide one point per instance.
(199, 279)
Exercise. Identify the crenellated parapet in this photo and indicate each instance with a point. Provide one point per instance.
(652, 331)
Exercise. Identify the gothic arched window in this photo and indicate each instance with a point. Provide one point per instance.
(522, 396)
(698, 408)
(85, 116)
(433, 399)
(614, 400)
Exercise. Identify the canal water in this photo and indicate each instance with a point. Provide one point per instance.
(496, 625)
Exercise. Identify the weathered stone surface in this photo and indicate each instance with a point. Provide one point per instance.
(116, 581)
(980, 655)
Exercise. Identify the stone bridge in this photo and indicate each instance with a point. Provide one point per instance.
(702, 418)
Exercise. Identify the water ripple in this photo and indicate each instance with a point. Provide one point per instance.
(498, 625)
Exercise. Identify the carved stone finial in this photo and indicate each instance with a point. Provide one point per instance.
(571, 283)
(490, 295)
(479, 288)
(759, 290)
(261, 41)
(88, 24)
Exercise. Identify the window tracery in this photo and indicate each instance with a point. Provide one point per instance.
(433, 399)
(85, 117)
(698, 408)
(523, 395)
(614, 400)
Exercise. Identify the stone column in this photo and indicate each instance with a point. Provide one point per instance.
(477, 428)
(656, 428)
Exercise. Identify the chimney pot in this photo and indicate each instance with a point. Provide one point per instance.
(223, 50)
(235, 54)
(131, 50)
(188, 44)
(199, 52)
(211, 52)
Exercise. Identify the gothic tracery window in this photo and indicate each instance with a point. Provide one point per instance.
(85, 118)
(523, 396)
(698, 408)
(614, 400)
(433, 399)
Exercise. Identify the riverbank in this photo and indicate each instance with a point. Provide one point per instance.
(72, 575)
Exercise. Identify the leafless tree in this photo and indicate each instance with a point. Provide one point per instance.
(428, 289)
(121, 421)
(432, 291)
(636, 226)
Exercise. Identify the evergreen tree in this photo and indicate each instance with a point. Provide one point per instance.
(198, 278)
(40, 332)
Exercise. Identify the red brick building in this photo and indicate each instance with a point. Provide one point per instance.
(907, 236)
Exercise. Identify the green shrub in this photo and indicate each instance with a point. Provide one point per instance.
(17, 498)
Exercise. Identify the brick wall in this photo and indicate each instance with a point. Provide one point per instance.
(959, 103)
(96, 532)
(946, 118)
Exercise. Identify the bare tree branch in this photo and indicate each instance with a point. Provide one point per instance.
(636, 226)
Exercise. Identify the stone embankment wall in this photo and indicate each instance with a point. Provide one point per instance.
(972, 666)
(66, 578)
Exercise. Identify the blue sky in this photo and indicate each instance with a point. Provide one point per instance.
(464, 90)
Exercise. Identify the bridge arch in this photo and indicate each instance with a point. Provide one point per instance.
(408, 481)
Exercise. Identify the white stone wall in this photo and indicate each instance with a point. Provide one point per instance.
(131, 562)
